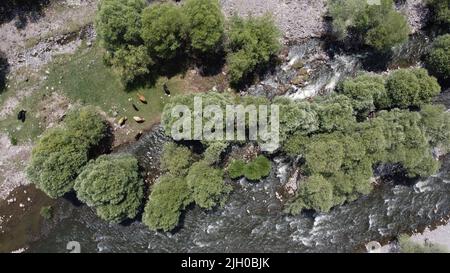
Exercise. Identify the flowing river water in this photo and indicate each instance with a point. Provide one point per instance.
(252, 220)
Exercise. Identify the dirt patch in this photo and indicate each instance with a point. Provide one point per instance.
(13, 160)
(53, 109)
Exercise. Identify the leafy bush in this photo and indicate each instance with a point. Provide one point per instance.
(236, 169)
(87, 125)
(367, 92)
(411, 87)
(314, 193)
(169, 196)
(176, 159)
(133, 62)
(118, 22)
(164, 31)
(253, 42)
(56, 161)
(46, 212)
(214, 151)
(380, 26)
(440, 12)
(207, 185)
(438, 59)
(111, 184)
(60, 154)
(254, 170)
(206, 26)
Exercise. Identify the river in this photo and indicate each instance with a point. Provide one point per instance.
(252, 220)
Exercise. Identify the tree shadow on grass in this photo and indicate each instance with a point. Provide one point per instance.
(24, 10)
(4, 70)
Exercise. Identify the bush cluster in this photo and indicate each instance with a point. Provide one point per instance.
(145, 40)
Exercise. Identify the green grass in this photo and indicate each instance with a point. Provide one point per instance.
(84, 78)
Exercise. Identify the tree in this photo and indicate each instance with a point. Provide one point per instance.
(214, 151)
(299, 117)
(391, 31)
(170, 195)
(315, 193)
(176, 159)
(411, 87)
(380, 26)
(335, 113)
(118, 22)
(206, 26)
(60, 154)
(207, 185)
(253, 42)
(324, 155)
(440, 11)
(56, 161)
(112, 185)
(133, 62)
(367, 92)
(164, 30)
(86, 125)
(438, 59)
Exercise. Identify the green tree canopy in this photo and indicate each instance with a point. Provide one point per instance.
(118, 22)
(169, 196)
(411, 87)
(176, 159)
(207, 185)
(112, 185)
(56, 161)
(164, 30)
(440, 12)
(252, 44)
(438, 59)
(206, 26)
(60, 154)
(380, 26)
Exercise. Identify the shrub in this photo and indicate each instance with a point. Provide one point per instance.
(169, 196)
(438, 59)
(164, 31)
(254, 170)
(87, 125)
(206, 26)
(367, 92)
(207, 185)
(118, 22)
(380, 26)
(214, 151)
(133, 62)
(257, 169)
(176, 159)
(440, 12)
(314, 193)
(60, 154)
(56, 161)
(46, 212)
(236, 169)
(111, 184)
(411, 87)
(253, 42)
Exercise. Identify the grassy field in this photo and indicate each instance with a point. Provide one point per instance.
(83, 78)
